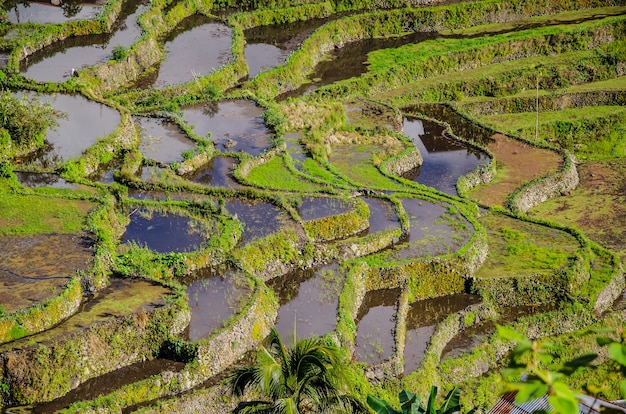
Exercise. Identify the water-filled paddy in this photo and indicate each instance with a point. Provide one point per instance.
(233, 125)
(213, 298)
(259, 218)
(421, 320)
(376, 323)
(42, 12)
(86, 121)
(55, 63)
(164, 232)
(196, 47)
(444, 158)
(162, 140)
(308, 301)
(218, 172)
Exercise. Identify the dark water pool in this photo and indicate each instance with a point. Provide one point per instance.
(376, 324)
(162, 140)
(308, 301)
(259, 218)
(164, 232)
(217, 173)
(54, 63)
(421, 320)
(445, 159)
(214, 296)
(233, 125)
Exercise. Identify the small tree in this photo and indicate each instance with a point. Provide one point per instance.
(306, 378)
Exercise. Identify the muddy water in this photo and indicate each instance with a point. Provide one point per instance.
(196, 47)
(85, 122)
(106, 384)
(30, 179)
(313, 208)
(295, 150)
(259, 218)
(122, 297)
(213, 298)
(162, 140)
(434, 229)
(217, 173)
(460, 126)
(376, 323)
(269, 46)
(308, 301)
(233, 125)
(350, 61)
(444, 159)
(44, 12)
(55, 62)
(422, 318)
(474, 335)
(382, 215)
(35, 268)
(164, 232)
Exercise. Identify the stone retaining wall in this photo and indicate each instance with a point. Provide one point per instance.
(538, 191)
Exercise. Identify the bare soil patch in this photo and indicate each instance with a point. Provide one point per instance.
(517, 164)
(34, 268)
(597, 206)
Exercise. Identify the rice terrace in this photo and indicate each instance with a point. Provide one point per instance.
(192, 188)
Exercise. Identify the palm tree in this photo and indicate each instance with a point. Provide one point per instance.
(411, 403)
(306, 378)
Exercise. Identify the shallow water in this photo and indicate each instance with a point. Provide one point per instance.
(382, 215)
(85, 122)
(30, 179)
(421, 320)
(268, 46)
(376, 323)
(107, 383)
(308, 301)
(259, 218)
(474, 335)
(233, 125)
(213, 298)
(313, 208)
(218, 172)
(444, 158)
(434, 229)
(45, 12)
(350, 61)
(164, 232)
(54, 63)
(196, 47)
(162, 140)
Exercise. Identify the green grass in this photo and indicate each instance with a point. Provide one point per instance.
(32, 214)
(274, 174)
(355, 162)
(518, 248)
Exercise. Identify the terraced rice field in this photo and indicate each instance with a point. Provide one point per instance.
(396, 179)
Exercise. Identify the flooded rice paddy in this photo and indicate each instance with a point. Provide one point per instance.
(183, 62)
(218, 172)
(308, 298)
(60, 61)
(214, 296)
(75, 132)
(162, 140)
(233, 125)
(445, 159)
(308, 301)
(164, 232)
(24, 11)
(376, 324)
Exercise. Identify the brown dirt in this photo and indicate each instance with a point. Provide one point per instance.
(517, 164)
(597, 206)
(34, 268)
